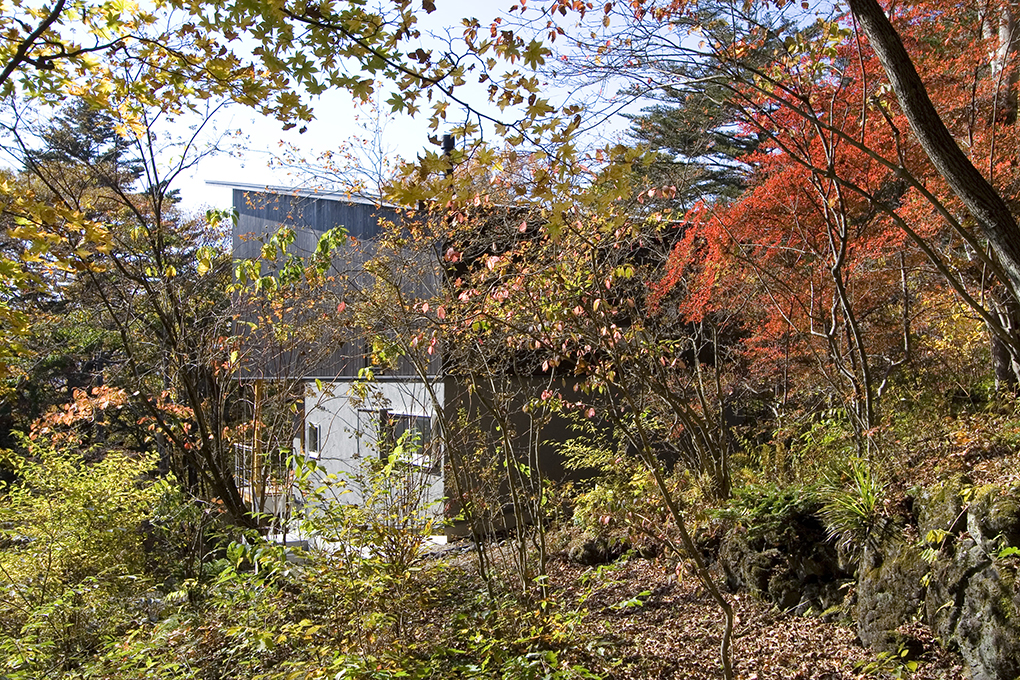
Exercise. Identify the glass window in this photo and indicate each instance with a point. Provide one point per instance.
(313, 441)
(414, 433)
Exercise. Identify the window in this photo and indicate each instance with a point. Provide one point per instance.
(413, 432)
(417, 430)
(313, 441)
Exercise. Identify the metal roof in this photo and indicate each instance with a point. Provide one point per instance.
(309, 192)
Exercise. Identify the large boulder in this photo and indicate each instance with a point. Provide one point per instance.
(972, 605)
(973, 599)
(591, 551)
(890, 587)
(949, 560)
(993, 517)
(940, 507)
(795, 567)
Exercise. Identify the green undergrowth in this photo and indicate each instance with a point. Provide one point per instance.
(765, 509)
(94, 587)
(109, 572)
(284, 623)
(265, 617)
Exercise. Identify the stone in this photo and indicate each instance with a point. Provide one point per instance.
(993, 518)
(890, 591)
(595, 550)
(972, 606)
(797, 568)
(940, 508)
(746, 567)
(973, 601)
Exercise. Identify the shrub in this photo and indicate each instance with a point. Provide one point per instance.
(72, 542)
(765, 509)
(851, 503)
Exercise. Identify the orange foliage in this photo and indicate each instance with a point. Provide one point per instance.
(812, 250)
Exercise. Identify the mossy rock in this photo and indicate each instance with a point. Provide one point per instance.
(940, 508)
(993, 517)
(889, 586)
(591, 551)
(973, 600)
(795, 568)
(972, 606)
(745, 566)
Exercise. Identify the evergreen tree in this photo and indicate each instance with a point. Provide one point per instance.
(81, 135)
(697, 142)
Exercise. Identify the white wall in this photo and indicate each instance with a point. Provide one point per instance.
(342, 410)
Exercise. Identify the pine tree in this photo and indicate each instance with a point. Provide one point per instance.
(697, 142)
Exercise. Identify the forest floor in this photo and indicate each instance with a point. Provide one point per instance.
(640, 618)
(676, 630)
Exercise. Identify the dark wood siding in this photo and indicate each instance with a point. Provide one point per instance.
(339, 352)
(261, 214)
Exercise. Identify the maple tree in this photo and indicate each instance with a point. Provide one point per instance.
(818, 102)
(549, 309)
(982, 200)
(808, 261)
(153, 293)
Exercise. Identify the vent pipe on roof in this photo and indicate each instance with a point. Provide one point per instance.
(448, 146)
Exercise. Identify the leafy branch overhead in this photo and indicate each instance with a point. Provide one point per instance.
(779, 303)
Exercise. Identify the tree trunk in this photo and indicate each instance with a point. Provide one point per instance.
(982, 200)
(1004, 357)
(998, 25)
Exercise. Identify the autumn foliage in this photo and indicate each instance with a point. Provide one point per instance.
(846, 247)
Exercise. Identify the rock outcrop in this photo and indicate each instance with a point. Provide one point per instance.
(951, 561)
(973, 599)
(794, 567)
(890, 588)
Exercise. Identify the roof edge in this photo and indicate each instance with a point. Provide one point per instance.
(349, 197)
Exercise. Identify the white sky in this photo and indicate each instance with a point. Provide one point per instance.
(261, 139)
(334, 123)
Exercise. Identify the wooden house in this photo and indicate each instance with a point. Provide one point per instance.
(344, 419)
